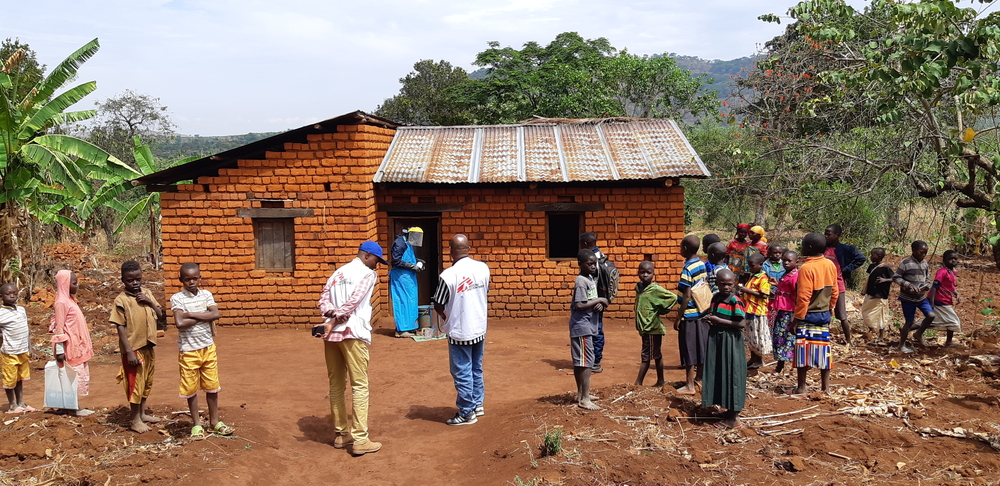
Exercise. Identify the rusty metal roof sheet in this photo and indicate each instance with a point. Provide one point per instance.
(557, 151)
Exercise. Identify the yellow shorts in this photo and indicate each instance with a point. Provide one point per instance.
(15, 368)
(138, 381)
(199, 370)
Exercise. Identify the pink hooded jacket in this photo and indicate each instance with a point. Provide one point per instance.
(68, 325)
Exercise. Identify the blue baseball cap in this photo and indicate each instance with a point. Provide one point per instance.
(374, 249)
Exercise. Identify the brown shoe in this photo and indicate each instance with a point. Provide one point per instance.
(342, 441)
(366, 448)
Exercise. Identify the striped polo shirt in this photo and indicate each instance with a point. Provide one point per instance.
(728, 307)
(694, 272)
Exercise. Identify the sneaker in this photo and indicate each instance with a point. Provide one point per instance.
(596, 368)
(905, 349)
(366, 448)
(480, 411)
(460, 419)
(342, 441)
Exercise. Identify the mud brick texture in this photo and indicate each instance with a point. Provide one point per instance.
(331, 173)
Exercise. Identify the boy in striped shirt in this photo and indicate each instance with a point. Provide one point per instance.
(913, 277)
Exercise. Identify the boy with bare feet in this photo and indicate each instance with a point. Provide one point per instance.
(944, 295)
(651, 302)
(194, 312)
(135, 313)
(691, 324)
(913, 278)
(815, 298)
(583, 326)
(14, 352)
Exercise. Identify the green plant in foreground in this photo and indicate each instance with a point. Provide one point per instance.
(521, 482)
(552, 442)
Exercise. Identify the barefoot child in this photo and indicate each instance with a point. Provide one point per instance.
(725, 373)
(756, 294)
(875, 307)
(846, 259)
(943, 294)
(14, 350)
(583, 326)
(691, 325)
(194, 310)
(651, 302)
(783, 336)
(135, 314)
(913, 278)
(71, 336)
(815, 298)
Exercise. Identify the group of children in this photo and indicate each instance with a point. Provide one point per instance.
(135, 315)
(767, 300)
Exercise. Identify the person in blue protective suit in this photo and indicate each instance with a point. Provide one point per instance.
(403, 280)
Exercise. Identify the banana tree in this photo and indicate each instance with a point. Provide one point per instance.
(44, 175)
(110, 195)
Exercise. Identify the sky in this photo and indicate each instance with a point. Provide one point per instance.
(225, 67)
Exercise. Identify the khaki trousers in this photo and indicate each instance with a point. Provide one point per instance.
(345, 360)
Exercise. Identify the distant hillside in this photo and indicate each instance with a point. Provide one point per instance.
(719, 70)
(182, 146)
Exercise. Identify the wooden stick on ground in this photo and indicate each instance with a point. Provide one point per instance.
(779, 414)
(834, 454)
(621, 397)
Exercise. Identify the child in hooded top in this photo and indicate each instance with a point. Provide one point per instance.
(651, 302)
(756, 294)
(783, 335)
(725, 374)
(944, 294)
(14, 352)
(71, 341)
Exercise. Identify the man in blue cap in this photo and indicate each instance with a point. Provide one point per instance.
(403, 280)
(346, 304)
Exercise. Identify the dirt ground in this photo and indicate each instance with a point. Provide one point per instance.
(885, 421)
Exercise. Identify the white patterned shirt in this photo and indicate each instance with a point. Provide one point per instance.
(14, 325)
(198, 336)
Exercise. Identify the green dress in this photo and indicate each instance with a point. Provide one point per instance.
(725, 377)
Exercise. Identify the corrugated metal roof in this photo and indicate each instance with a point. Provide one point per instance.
(541, 151)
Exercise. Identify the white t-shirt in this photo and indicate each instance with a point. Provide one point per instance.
(14, 325)
(198, 336)
(462, 290)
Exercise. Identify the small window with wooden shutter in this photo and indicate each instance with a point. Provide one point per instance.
(275, 244)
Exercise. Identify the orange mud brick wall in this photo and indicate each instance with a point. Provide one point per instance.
(636, 222)
(330, 173)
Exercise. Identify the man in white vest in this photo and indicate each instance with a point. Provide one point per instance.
(460, 299)
(347, 332)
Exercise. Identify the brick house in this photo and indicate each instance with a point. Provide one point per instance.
(269, 221)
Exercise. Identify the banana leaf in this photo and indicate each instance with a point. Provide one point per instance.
(65, 71)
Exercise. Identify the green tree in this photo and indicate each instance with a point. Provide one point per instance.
(427, 96)
(927, 73)
(24, 70)
(580, 78)
(123, 117)
(45, 175)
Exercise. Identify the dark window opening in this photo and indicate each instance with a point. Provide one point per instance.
(275, 244)
(272, 204)
(564, 234)
(426, 199)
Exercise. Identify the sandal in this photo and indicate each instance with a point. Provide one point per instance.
(222, 429)
(198, 433)
(15, 411)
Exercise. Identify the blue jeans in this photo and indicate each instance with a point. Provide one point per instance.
(467, 371)
(599, 339)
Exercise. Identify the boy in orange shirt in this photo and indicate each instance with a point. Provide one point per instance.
(816, 297)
